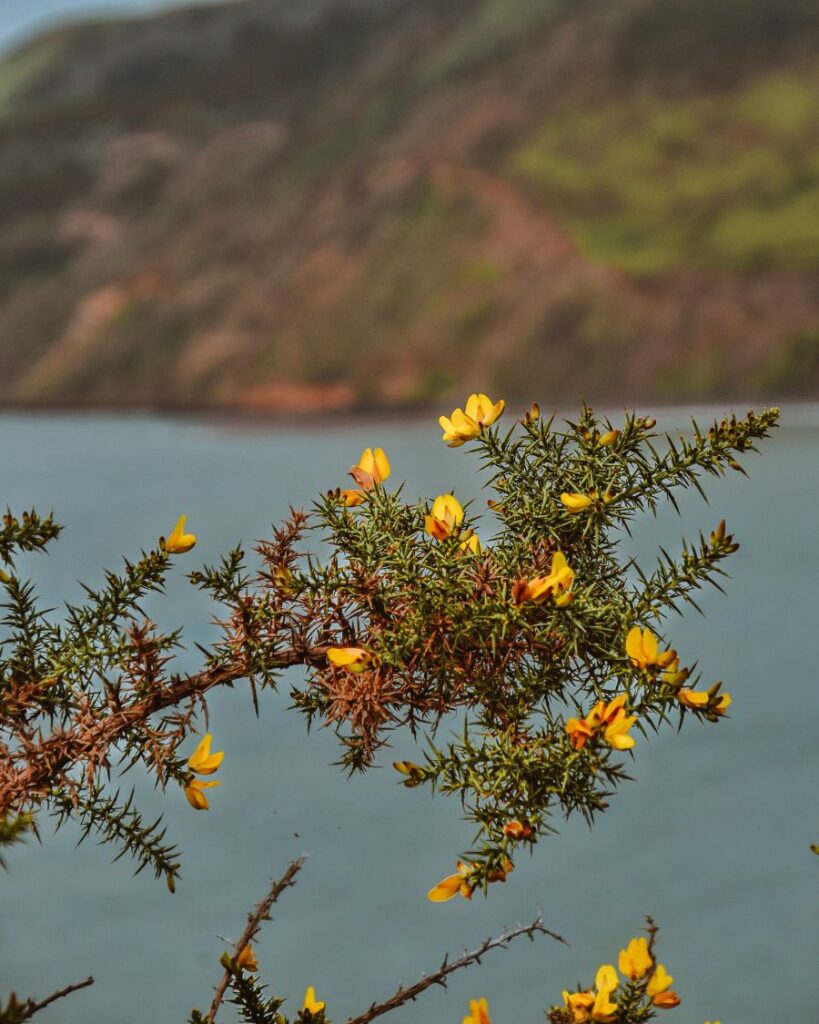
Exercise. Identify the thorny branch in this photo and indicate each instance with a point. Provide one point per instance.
(30, 1007)
(261, 912)
(406, 995)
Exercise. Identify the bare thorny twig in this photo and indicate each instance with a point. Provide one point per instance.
(261, 912)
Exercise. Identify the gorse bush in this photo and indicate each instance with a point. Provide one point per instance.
(519, 627)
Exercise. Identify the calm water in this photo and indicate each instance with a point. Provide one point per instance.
(712, 838)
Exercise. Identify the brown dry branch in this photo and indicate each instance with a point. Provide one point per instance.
(43, 763)
(30, 1007)
(261, 912)
(439, 977)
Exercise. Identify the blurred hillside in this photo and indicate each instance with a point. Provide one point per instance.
(281, 205)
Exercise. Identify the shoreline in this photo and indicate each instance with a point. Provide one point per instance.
(796, 412)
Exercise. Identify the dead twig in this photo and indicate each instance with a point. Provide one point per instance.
(261, 912)
(406, 995)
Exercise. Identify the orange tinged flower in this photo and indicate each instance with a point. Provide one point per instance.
(372, 468)
(580, 732)
(609, 720)
(616, 724)
(353, 498)
(557, 584)
(311, 1003)
(642, 647)
(178, 542)
(635, 961)
(465, 424)
(517, 830)
(452, 885)
(247, 959)
(659, 989)
(478, 1012)
(446, 516)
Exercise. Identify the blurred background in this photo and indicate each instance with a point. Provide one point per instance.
(287, 206)
(283, 208)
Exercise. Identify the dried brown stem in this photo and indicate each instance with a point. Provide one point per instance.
(31, 1007)
(261, 912)
(46, 762)
(406, 995)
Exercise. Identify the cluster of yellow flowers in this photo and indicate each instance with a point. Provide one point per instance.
(609, 720)
(636, 963)
(643, 649)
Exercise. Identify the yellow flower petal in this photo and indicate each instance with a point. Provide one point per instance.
(196, 798)
(659, 981)
(382, 465)
(179, 542)
(247, 959)
(575, 502)
(202, 761)
(635, 960)
(353, 658)
(478, 1012)
(445, 889)
(310, 1001)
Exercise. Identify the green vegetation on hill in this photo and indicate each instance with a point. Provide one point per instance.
(724, 180)
(347, 204)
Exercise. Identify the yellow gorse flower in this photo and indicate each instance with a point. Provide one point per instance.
(642, 647)
(478, 1012)
(709, 701)
(557, 584)
(659, 989)
(310, 1001)
(515, 829)
(354, 659)
(372, 468)
(445, 517)
(574, 502)
(608, 720)
(202, 762)
(606, 982)
(247, 959)
(178, 542)
(594, 1006)
(470, 542)
(465, 424)
(579, 1004)
(635, 961)
(196, 798)
(450, 886)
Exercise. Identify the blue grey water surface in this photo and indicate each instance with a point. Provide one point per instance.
(712, 837)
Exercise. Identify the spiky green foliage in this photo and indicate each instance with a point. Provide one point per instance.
(451, 633)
